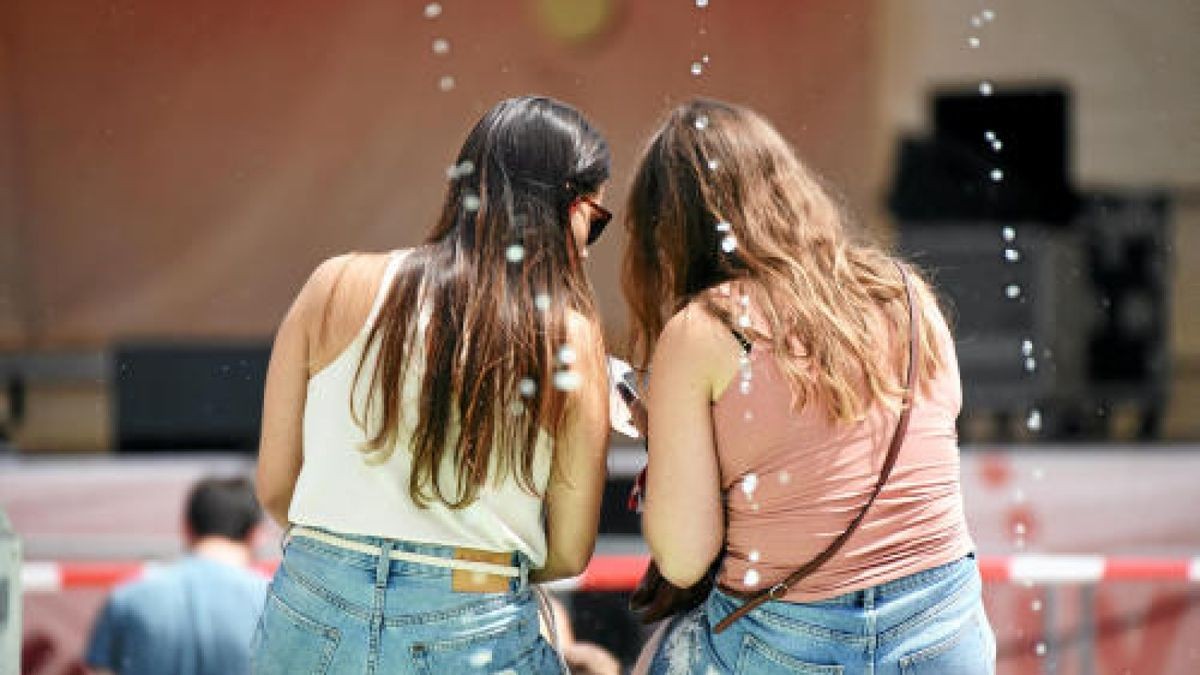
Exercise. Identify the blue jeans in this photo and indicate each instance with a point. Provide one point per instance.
(331, 610)
(929, 622)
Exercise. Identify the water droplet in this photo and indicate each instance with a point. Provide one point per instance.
(729, 243)
(697, 69)
(748, 416)
(750, 483)
(567, 355)
(712, 166)
(567, 380)
(744, 321)
(751, 578)
(466, 168)
(1040, 649)
(446, 83)
(724, 227)
(785, 477)
(989, 135)
(527, 387)
(997, 175)
(1036, 605)
(1012, 255)
(701, 4)
(1019, 528)
(1027, 347)
(988, 15)
(701, 122)
(977, 21)
(973, 42)
(997, 146)
(704, 59)
(1008, 233)
(1030, 364)
(1012, 291)
(744, 386)
(754, 555)
(986, 88)
(542, 301)
(1034, 423)
(515, 253)
(433, 10)
(481, 658)
(441, 46)
(471, 202)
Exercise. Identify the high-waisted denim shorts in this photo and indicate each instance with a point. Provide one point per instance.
(333, 610)
(929, 622)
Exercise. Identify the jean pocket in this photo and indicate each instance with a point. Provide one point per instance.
(287, 642)
(497, 648)
(970, 650)
(756, 656)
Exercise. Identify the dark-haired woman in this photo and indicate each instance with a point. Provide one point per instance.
(435, 421)
(780, 365)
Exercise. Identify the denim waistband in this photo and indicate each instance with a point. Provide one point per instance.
(901, 585)
(369, 561)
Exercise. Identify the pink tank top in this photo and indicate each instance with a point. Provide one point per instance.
(794, 482)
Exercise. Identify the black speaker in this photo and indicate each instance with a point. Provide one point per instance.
(172, 396)
(1005, 156)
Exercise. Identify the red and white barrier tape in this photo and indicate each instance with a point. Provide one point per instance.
(621, 573)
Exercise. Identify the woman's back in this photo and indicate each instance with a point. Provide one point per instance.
(339, 489)
(795, 480)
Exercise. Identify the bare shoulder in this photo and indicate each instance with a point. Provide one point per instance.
(695, 330)
(337, 299)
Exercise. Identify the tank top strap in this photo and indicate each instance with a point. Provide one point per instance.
(385, 286)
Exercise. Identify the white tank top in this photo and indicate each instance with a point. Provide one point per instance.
(340, 491)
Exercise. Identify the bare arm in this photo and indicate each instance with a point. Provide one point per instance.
(683, 518)
(577, 478)
(280, 449)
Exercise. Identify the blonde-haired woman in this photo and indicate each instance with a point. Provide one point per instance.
(436, 420)
(778, 351)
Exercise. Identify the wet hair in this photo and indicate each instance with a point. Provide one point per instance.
(223, 507)
(720, 197)
(497, 281)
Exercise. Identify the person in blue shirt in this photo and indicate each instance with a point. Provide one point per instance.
(198, 615)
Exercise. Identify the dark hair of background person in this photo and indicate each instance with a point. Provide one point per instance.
(495, 317)
(223, 507)
(720, 196)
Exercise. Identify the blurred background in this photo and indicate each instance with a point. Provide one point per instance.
(170, 173)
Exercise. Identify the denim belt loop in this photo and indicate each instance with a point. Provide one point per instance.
(523, 579)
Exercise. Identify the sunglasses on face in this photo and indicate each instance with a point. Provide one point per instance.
(600, 218)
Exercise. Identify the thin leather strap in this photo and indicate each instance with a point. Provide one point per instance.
(780, 589)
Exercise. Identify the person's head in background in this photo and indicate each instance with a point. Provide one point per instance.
(501, 271)
(720, 196)
(221, 518)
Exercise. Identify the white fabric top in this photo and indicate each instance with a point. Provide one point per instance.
(340, 491)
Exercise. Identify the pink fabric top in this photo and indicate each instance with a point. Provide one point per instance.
(795, 481)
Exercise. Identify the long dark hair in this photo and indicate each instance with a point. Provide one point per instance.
(720, 196)
(497, 280)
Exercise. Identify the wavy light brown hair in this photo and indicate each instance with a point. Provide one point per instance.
(499, 278)
(820, 293)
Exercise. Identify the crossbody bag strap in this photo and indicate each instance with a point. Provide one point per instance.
(780, 589)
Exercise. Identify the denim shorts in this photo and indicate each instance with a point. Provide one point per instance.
(332, 610)
(929, 622)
